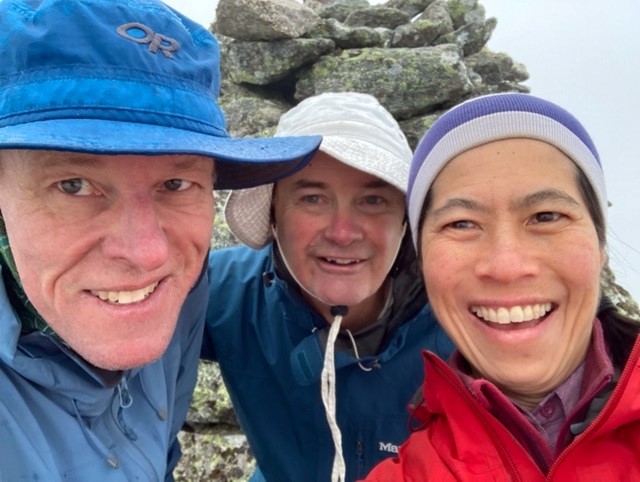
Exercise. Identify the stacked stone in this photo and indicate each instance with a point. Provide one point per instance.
(417, 57)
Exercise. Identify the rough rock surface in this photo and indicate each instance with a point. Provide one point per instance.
(263, 19)
(418, 57)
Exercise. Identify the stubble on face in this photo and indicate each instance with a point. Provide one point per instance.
(108, 247)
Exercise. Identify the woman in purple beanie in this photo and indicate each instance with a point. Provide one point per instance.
(507, 205)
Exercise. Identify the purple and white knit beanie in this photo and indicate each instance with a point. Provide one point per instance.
(491, 118)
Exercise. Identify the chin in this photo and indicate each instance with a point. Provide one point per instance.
(126, 356)
(342, 301)
(116, 363)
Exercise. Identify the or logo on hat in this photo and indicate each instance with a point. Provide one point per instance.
(141, 34)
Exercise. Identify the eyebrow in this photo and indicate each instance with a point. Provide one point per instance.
(528, 201)
(545, 195)
(454, 203)
(58, 159)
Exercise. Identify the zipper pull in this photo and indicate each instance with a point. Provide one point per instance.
(123, 393)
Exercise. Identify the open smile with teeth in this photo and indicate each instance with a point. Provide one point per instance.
(126, 297)
(515, 314)
(341, 261)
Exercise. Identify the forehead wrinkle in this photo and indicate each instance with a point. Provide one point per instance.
(47, 159)
(53, 159)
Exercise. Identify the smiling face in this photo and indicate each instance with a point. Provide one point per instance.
(512, 263)
(339, 230)
(107, 247)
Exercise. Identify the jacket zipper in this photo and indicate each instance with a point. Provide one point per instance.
(609, 407)
(359, 452)
(125, 400)
(515, 474)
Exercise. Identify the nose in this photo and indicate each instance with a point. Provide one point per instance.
(135, 234)
(343, 227)
(507, 257)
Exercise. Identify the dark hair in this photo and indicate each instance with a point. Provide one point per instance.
(620, 331)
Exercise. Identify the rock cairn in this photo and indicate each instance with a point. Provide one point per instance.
(417, 57)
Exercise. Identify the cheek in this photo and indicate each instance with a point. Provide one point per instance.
(30, 252)
(440, 264)
(386, 235)
(195, 225)
(293, 235)
(580, 263)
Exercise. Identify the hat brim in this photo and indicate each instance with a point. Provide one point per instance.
(368, 157)
(240, 162)
(248, 214)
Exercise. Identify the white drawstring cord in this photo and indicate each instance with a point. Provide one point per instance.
(355, 351)
(328, 393)
(328, 375)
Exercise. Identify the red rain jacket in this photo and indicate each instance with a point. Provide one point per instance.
(462, 441)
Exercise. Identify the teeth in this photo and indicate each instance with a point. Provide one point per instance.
(341, 261)
(125, 297)
(515, 314)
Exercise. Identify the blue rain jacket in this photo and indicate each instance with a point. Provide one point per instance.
(266, 339)
(61, 419)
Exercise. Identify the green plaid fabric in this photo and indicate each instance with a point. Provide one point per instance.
(27, 314)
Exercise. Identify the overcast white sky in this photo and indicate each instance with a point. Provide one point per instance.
(585, 56)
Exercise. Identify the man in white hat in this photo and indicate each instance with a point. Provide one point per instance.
(324, 316)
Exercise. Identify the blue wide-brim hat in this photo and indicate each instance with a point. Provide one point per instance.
(491, 118)
(125, 77)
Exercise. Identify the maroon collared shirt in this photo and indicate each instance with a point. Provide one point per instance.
(544, 431)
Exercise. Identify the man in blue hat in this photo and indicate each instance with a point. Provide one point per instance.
(111, 143)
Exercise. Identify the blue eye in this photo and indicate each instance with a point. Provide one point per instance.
(75, 187)
(177, 185)
(311, 199)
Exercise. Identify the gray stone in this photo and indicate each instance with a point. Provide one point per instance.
(415, 127)
(498, 72)
(472, 37)
(410, 7)
(263, 19)
(407, 82)
(252, 116)
(351, 38)
(263, 63)
(377, 17)
(341, 9)
(433, 23)
(465, 11)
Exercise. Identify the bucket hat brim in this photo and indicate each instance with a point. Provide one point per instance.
(270, 159)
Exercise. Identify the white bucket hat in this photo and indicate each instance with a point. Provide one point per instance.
(355, 130)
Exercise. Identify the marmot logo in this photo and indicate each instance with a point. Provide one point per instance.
(387, 447)
(141, 34)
